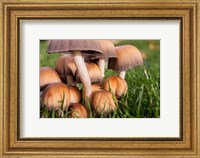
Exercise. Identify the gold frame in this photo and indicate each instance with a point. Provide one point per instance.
(13, 11)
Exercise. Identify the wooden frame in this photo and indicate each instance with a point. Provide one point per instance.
(11, 14)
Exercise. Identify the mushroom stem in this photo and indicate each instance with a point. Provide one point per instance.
(83, 74)
(122, 74)
(102, 65)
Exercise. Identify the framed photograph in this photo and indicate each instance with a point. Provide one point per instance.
(99, 79)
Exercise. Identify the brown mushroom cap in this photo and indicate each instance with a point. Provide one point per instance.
(116, 85)
(93, 71)
(53, 96)
(75, 94)
(103, 102)
(108, 51)
(48, 76)
(89, 48)
(128, 57)
(77, 111)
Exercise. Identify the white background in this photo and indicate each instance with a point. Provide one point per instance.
(165, 126)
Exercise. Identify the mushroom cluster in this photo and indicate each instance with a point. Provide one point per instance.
(83, 63)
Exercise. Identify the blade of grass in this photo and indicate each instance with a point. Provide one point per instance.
(140, 100)
(53, 113)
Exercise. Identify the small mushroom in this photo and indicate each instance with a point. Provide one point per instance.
(79, 49)
(103, 102)
(48, 76)
(75, 94)
(56, 96)
(93, 71)
(128, 57)
(116, 85)
(66, 68)
(77, 111)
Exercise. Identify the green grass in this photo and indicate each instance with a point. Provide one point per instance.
(45, 58)
(143, 97)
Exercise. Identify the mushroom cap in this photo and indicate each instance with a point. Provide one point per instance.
(53, 96)
(75, 94)
(48, 76)
(96, 87)
(116, 85)
(65, 66)
(78, 111)
(91, 49)
(108, 51)
(103, 102)
(128, 57)
(93, 71)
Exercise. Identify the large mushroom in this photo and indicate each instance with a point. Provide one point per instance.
(79, 49)
(66, 68)
(128, 57)
(116, 85)
(48, 76)
(56, 96)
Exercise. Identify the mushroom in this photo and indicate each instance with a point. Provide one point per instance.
(48, 76)
(56, 96)
(128, 57)
(75, 94)
(103, 102)
(116, 85)
(79, 49)
(96, 87)
(93, 71)
(77, 111)
(66, 68)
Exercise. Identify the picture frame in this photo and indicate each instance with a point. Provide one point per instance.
(12, 12)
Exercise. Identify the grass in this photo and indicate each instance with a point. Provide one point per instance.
(143, 97)
(45, 58)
